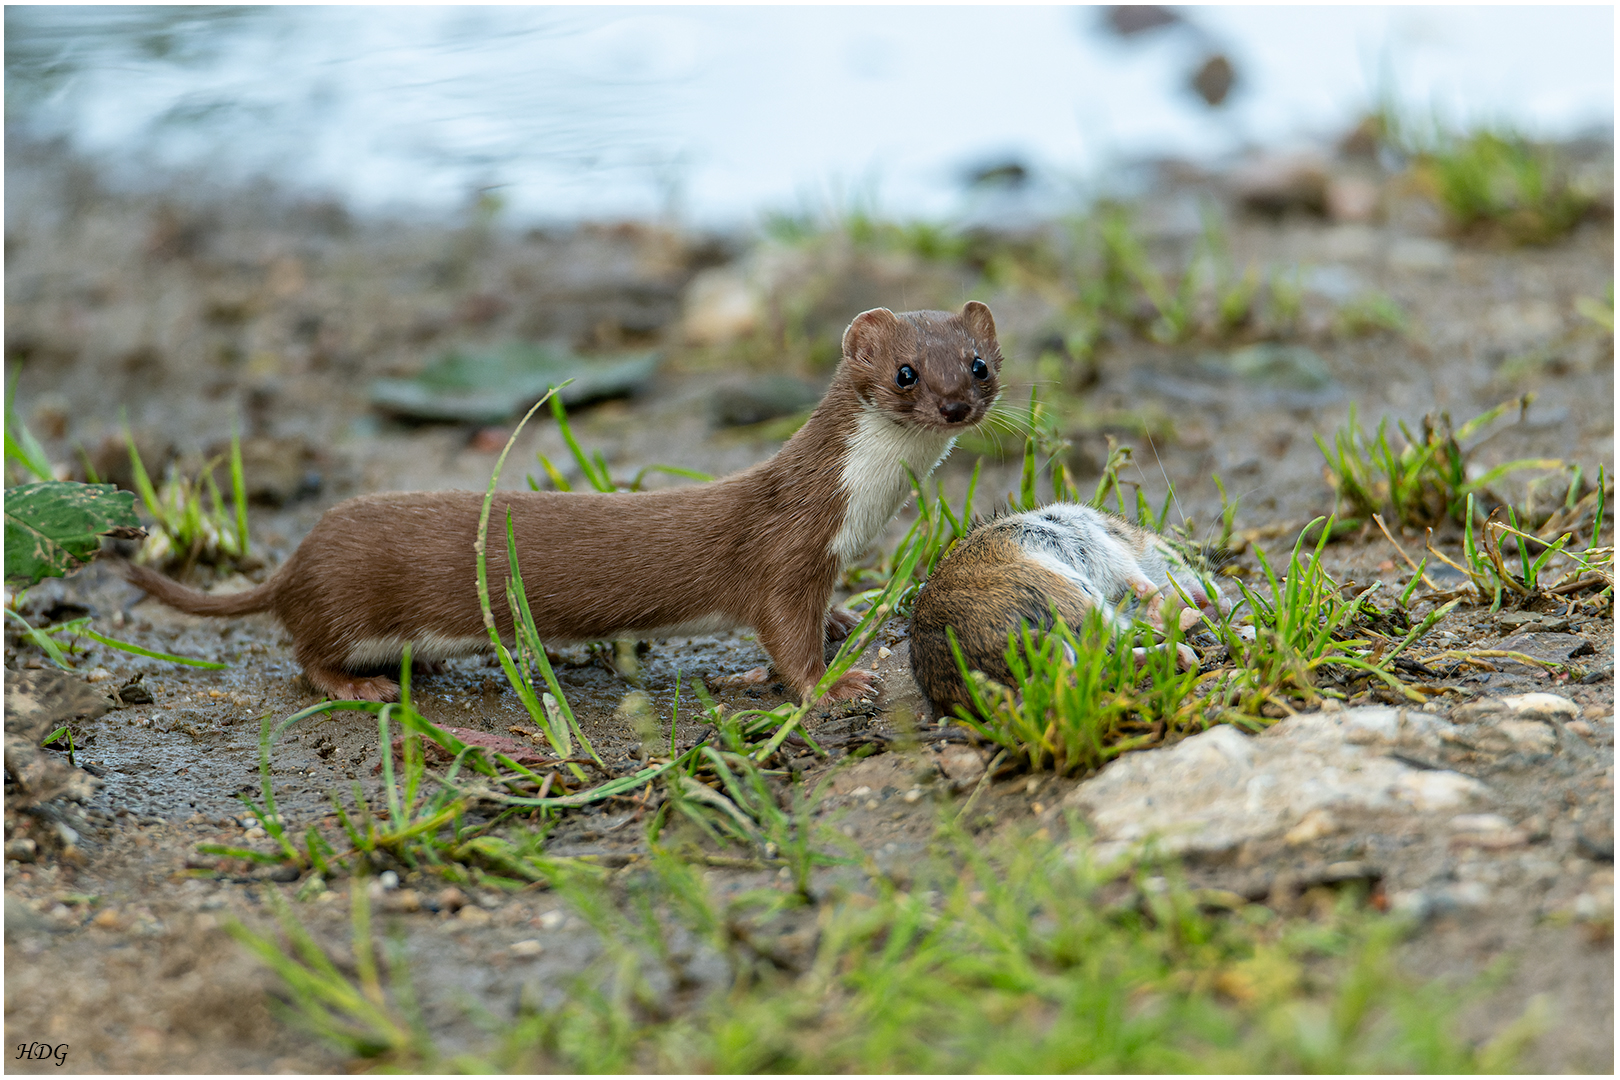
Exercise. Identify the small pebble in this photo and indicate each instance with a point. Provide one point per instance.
(913, 795)
(473, 916)
(551, 920)
(527, 947)
(1480, 823)
(884, 652)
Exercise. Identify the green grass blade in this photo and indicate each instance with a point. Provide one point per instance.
(137, 650)
(239, 494)
(43, 640)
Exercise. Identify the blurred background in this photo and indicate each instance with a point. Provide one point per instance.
(715, 115)
(366, 238)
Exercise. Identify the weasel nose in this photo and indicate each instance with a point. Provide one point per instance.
(955, 412)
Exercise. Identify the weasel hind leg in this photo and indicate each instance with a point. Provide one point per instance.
(840, 623)
(342, 686)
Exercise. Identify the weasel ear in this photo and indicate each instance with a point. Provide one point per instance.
(980, 323)
(871, 334)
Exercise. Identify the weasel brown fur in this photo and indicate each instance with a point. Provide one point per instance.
(761, 548)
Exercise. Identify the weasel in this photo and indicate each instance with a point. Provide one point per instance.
(761, 548)
(1012, 571)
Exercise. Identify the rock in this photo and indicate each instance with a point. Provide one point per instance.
(1553, 648)
(1416, 254)
(962, 764)
(276, 471)
(404, 901)
(1353, 199)
(38, 702)
(720, 307)
(1513, 736)
(1276, 184)
(1219, 789)
(761, 399)
(1214, 80)
(1288, 367)
(22, 919)
(1313, 826)
(899, 696)
(1492, 832)
(1594, 838)
(1523, 324)
(1351, 243)
(486, 387)
(1129, 20)
(1546, 707)
(526, 948)
(1542, 706)
(111, 460)
(1480, 823)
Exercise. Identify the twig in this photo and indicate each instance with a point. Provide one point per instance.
(983, 780)
(1415, 567)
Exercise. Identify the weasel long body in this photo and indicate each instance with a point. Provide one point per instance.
(761, 548)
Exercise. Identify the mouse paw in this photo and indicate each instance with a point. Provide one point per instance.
(753, 677)
(840, 622)
(854, 684)
(341, 686)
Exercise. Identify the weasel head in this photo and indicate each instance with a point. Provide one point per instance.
(928, 369)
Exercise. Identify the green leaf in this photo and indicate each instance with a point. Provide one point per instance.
(54, 528)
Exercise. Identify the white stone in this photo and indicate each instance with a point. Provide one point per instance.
(1528, 736)
(1421, 254)
(1221, 788)
(1440, 789)
(1480, 823)
(1542, 706)
(720, 307)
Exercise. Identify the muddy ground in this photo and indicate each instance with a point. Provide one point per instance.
(193, 310)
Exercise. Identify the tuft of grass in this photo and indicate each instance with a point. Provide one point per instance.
(1490, 569)
(1370, 313)
(1080, 697)
(24, 455)
(1598, 312)
(1418, 479)
(1017, 955)
(1499, 183)
(593, 467)
(189, 532)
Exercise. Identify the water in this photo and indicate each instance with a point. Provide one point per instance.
(715, 115)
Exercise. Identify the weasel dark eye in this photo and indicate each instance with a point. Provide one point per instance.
(906, 376)
(981, 370)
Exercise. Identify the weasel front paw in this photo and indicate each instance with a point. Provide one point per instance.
(854, 684)
(752, 677)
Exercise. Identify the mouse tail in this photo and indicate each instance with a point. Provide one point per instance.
(194, 602)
